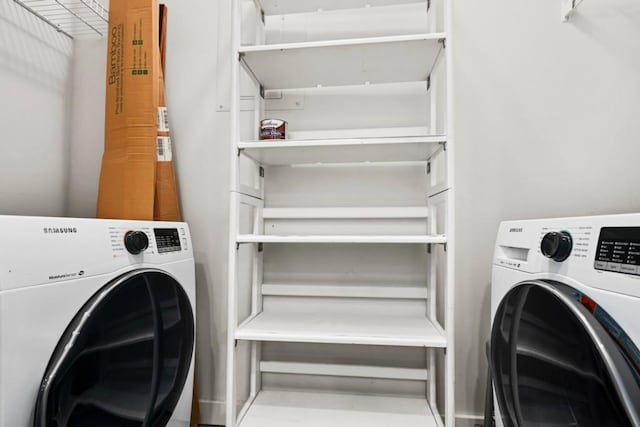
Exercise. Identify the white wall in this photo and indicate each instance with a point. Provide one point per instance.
(87, 126)
(201, 138)
(546, 122)
(35, 76)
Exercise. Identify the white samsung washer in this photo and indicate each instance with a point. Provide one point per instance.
(566, 322)
(96, 323)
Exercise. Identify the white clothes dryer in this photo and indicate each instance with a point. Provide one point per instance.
(565, 334)
(97, 323)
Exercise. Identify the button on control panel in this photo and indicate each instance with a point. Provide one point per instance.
(167, 240)
(619, 250)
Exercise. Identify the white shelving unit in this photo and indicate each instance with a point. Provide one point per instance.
(391, 311)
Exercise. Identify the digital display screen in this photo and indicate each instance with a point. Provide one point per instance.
(619, 250)
(167, 240)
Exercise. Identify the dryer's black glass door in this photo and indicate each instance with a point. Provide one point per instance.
(553, 364)
(124, 359)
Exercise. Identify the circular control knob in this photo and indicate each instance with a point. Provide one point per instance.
(136, 241)
(557, 245)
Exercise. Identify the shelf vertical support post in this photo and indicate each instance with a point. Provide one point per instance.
(232, 313)
(449, 127)
(232, 298)
(256, 301)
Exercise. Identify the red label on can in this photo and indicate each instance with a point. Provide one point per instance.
(273, 129)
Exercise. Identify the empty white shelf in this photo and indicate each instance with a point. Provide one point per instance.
(346, 291)
(409, 239)
(285, 7)
(349, 150)
(343, 62)
(361, 133)
(353, 371)
(342, 328)
(346, 213)
(298, 408)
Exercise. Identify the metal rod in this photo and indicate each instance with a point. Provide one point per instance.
(43, 18)
(79, 17)
(61, 15)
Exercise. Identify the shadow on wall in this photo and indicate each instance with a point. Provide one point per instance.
(35, 83)
(205, 340)
(203, 306)
(595, 26)
(485, 321)
(29, 48)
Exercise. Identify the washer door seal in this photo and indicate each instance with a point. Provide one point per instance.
(124, 358)
(553, 362)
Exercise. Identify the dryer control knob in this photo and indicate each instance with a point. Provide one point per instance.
(136, 241)
(557, 245)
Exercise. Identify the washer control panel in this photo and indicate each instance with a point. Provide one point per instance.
(619, 250)
(167, 240)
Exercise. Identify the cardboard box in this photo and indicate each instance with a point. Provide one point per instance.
(128, 176)
(167, 204)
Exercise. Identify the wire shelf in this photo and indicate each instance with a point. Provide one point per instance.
(73, 18)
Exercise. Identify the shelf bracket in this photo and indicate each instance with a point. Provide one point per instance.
(568, 8)
(240, 56)
(237, 246)
(444, 145)
(261, 172)
(429, 83)
(239, 151)
(262, 15)
(261, 91)
(443, 42)
(428, 5)
(429, 248)
(428, 168)
(260, 247)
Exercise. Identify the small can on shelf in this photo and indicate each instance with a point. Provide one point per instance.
(273, 129)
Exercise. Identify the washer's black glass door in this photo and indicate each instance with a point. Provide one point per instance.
(554, 364)
(124, 359)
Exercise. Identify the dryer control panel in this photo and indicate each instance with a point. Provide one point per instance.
(605, 250)
(167, 239)
(42, 250)
(619, 250)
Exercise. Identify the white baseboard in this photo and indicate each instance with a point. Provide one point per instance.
(213, 412)
(469, 420)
